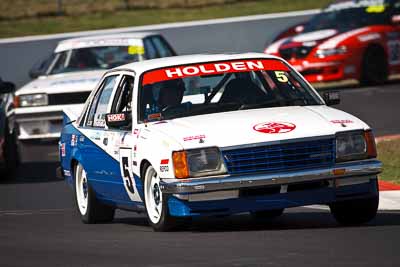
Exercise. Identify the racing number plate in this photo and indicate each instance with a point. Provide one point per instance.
(125, 163)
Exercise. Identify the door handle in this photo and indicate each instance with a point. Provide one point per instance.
(105, 141)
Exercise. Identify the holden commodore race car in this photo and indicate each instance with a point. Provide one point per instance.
(70, 73)
(206, 135)
(349, 39)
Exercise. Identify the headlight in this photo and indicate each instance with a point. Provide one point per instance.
(198, 162)
(321, 53)
(32, 100)
(355, 145)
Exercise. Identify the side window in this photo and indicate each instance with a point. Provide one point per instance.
(149, 49)
(161, 46)
(123, 97)
(98, 109)
(60, 63)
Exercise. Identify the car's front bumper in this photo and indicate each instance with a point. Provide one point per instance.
(337, 173)
(228, 195)
(44, 122)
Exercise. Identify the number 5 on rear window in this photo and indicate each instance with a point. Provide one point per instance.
(281, 76)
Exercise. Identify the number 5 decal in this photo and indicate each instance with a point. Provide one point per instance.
(125, 163)
(281, 76)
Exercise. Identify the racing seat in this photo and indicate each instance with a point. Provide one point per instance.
(242, 91)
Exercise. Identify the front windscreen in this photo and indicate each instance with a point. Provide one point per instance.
(348, 15)
(94, 58)
(199, 89)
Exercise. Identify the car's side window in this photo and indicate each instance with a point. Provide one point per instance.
(60, 62)
(98, 109)
(163, 49)
(123, 98)
(150, 50)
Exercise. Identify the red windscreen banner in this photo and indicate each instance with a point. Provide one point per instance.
(212, 69)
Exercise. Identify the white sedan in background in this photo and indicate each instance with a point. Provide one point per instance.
(71, 72)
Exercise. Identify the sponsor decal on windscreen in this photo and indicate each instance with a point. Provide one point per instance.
(212, 69)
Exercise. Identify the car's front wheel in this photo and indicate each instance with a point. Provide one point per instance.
(89, 208)
(374, 68)
(355, 212)
(156, 203)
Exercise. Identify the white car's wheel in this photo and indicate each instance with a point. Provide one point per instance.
(156, 206)
(81, 188)
(89, 208)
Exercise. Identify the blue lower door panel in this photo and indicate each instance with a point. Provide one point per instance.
(180, 208)
(109, 190)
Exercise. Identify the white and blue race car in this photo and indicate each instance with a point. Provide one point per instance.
(209, 135)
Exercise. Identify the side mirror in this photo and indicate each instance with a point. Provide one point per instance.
(7, 87)
(118, 120)
(40, 67)
(331, 98)
(34, 73)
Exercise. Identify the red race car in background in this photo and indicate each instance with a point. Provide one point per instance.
(347, 40)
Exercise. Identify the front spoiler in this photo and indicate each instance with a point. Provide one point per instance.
(201, 185)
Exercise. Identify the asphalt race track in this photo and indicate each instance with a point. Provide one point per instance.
(39, 226)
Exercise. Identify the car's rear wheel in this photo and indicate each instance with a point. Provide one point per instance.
(156, 203)
(374, 68)
(267, 214)
(355, 212)
(89, 208)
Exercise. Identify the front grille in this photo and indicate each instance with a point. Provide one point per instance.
(281, 157)
(68, 98)
(295, 52)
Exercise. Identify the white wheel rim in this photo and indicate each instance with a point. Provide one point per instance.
(81, 187)
(153, 195)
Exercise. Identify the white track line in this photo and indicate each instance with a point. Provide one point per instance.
(32, 212)
(156, 27)
(389, 200)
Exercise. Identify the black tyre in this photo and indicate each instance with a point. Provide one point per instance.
(267, 214)
(374, 68)
(156, 203)
(11, 154)
(355, 212)
(89, 208)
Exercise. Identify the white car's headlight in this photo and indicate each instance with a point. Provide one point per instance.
(321, 53)
(32, 100)
(198, 162)
(351, 146)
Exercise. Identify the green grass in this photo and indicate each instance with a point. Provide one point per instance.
(145, 16)
(389, 154)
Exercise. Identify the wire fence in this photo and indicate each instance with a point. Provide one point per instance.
(21, 9)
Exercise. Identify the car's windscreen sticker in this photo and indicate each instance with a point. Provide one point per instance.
(212, 69)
